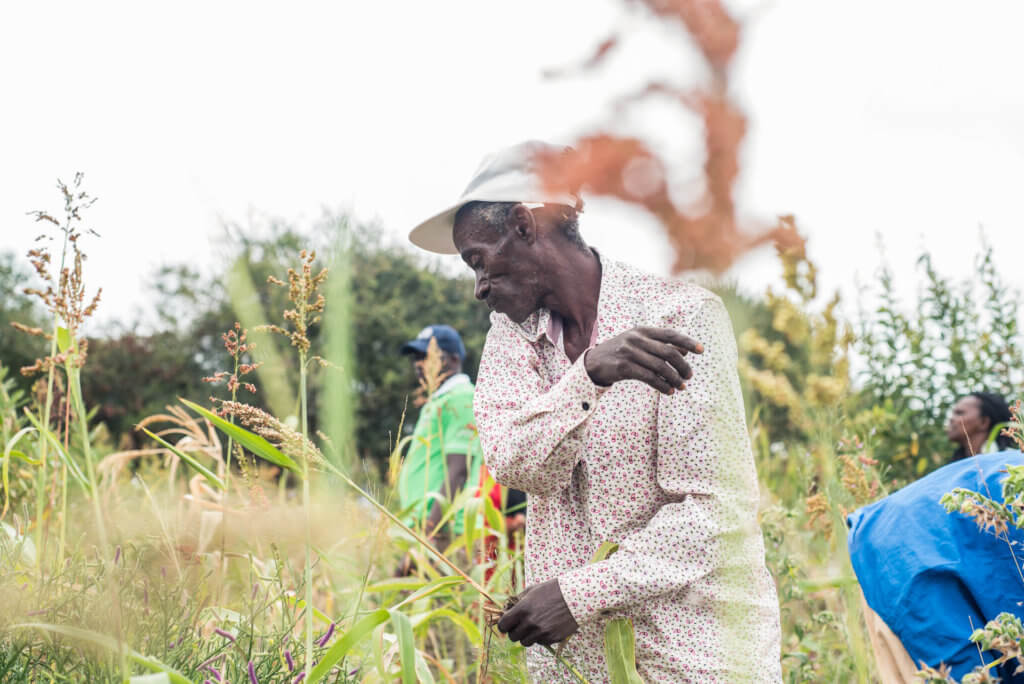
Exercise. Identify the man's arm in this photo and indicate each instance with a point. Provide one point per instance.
(705, 466)
(532, 435)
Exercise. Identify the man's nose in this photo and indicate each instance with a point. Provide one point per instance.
(483, 288)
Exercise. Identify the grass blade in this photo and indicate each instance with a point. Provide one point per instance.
(432, 588)
(65, 457)
(111, 644)
(342, 646)
(210, 476)
(406, 645)
(251, 441)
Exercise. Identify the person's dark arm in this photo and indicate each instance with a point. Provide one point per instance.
(454, 483)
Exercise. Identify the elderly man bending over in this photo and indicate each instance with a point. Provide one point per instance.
(611, 397)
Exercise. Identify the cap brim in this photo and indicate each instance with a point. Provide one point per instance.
(415, 347)
(435, 234)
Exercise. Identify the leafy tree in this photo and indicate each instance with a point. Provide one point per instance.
(957, 338)
(16, 348)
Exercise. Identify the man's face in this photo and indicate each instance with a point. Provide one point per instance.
(965, 418)
(508, 277)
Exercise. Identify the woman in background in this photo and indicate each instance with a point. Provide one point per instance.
(971, 421)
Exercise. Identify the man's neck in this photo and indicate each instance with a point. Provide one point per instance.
(575, 288)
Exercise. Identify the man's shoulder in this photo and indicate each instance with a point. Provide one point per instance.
(665, 300)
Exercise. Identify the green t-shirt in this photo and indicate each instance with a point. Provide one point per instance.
(445, 426)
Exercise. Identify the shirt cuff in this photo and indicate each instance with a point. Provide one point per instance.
(581, 394)
(591, 591)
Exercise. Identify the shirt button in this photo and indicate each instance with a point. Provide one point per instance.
(586, 406)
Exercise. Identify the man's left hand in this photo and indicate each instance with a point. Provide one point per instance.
(540, 616)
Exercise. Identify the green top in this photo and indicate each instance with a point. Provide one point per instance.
(445, 426)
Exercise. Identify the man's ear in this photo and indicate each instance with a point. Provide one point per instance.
(522, 223)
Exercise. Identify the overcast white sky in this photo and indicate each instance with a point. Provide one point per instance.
(902, 118)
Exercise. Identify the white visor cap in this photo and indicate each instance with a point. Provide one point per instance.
(511, 174)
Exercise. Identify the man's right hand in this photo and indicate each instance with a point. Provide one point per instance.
(652, 355)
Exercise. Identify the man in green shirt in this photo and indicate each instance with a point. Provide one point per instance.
(444, 455)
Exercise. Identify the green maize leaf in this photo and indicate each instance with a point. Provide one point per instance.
(342, 646)
(620, 652)
(253, 442)
(76, 472)
(210, 476)
(158, 678)
(469, 627)
(406, 645)
(431, 588)
(63, 339)
(469, 520)
(604, 551)
(493, 515)
(423, 674)
(110, 644)
(395, 584)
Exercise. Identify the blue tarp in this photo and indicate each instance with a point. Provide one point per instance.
(930, 574)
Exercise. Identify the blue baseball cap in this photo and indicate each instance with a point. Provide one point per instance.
(448, 340)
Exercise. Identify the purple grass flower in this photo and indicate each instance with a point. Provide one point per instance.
(207, 681)
(227, 635)
(323, 640)
(299, 678)
(211, 660)
(288, 659)
(36, 612)
(117, 555)
(252, 674)
(172, 645)
(215, 672)
(255, 590)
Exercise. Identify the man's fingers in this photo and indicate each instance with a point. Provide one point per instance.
(658, 365)
(644, 374)
(668, 355)
(675, 338)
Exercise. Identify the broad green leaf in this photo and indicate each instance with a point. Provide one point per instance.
(620, 652)
(423, 674)
(342, 646)
(65, 457)
(469, 520)
(432, 588)
(157, 678)
(251, 441)
(63, 339)
(395, 584)
(210, 476)
(110, 644)
(406, 645)
(494, 518)
(604, 551)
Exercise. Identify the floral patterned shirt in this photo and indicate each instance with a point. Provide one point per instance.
(671, 479)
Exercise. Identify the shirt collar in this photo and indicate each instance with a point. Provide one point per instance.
(451, 383)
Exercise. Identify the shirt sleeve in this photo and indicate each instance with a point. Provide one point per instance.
(705, 469)
(531, 435)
